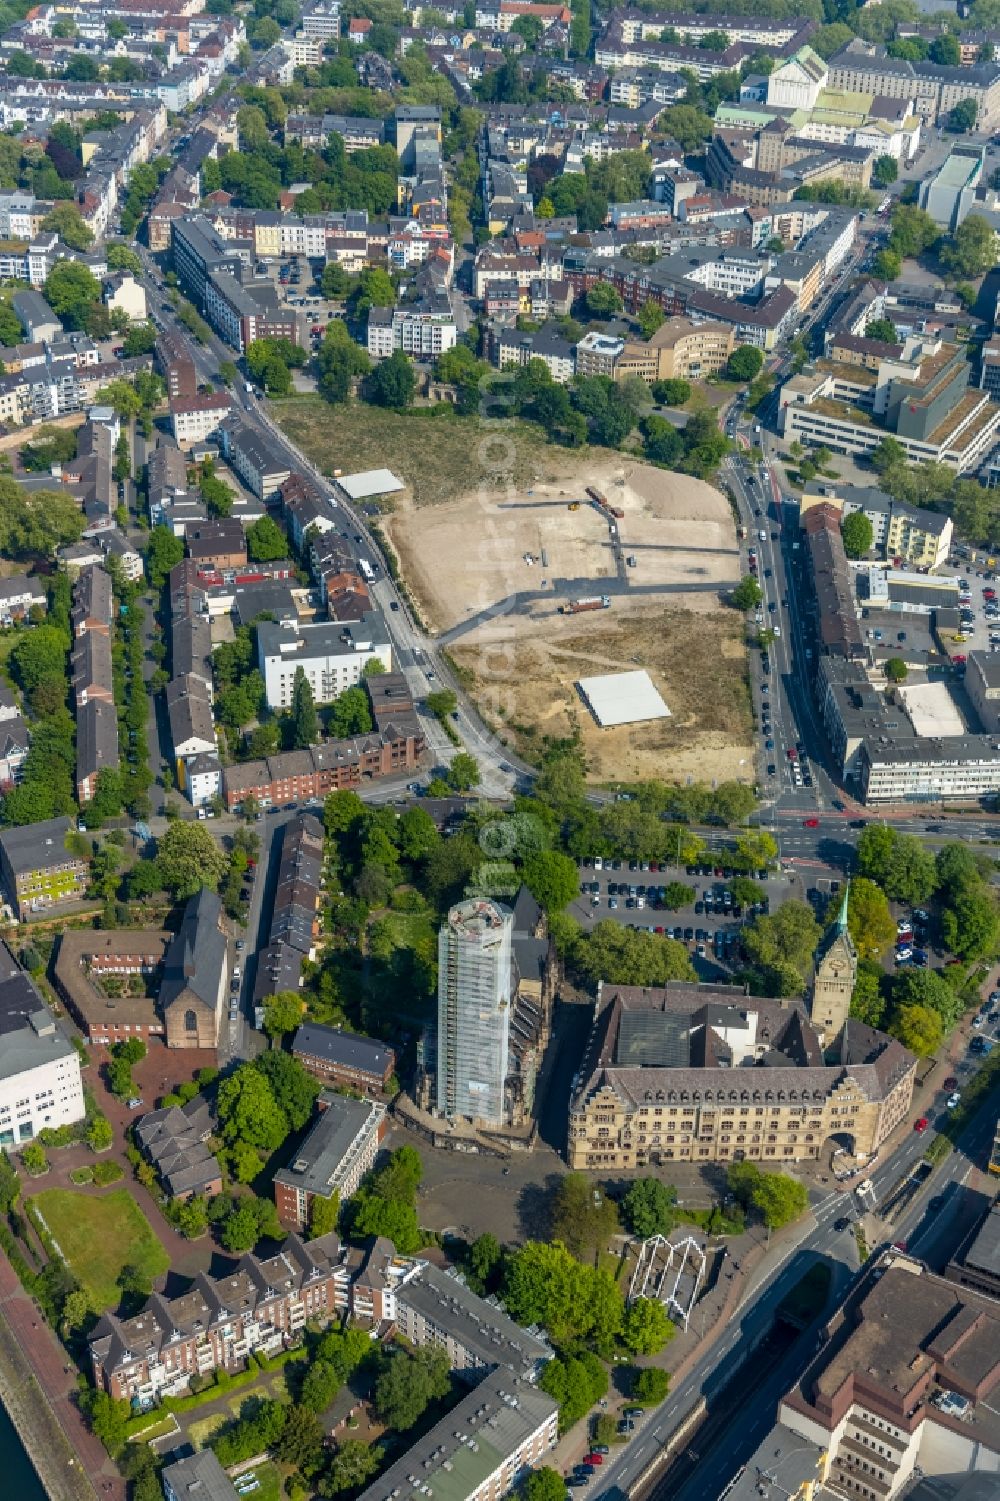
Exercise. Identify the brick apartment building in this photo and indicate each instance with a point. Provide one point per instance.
(337, 1153)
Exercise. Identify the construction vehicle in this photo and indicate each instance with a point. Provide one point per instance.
(589, 602)
(600, 499)
(574, 505)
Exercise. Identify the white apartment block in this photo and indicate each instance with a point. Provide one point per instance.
(303, 236)
(732, 275)
(421, 334)
(50, 1094)
(40, 1083)
(307, 51)
(332, 654)
(194, 418)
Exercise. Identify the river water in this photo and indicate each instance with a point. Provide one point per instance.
(19, 1478)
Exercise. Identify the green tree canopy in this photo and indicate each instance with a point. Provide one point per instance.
(352, 1465)
(188, 858)
(603, 301)
(869, 920)
(304, 719)
(917, 1028)
(576, 1383)
(394, 382)
(899, 863)
(971, 249)
(650, 1207)
(293, 1087)
(885, 170)
(340, 362)
(282, 1012)
(36, 522)
(249, 1111)
(583, 1218)
(781, 946)
(544, 1284)
(627, 956)
(544, 1484)
(408, 1383)
(650, 1386)
(163, 552)
(970, 925)
(747, 595)
(745, 363)
(71, 291)
(858, 535)
(552, 878)
(647, 1327)
(266, 541)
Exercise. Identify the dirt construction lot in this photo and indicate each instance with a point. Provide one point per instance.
(465, 563)
(468, 555)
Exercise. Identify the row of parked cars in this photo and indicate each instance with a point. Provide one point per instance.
(911, 940)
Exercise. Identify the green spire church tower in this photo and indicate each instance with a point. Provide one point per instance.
(836, 972)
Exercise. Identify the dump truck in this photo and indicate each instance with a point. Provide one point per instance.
(590, 602)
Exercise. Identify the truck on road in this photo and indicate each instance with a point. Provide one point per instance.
(589, 602)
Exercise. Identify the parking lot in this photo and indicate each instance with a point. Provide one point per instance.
(628, 891)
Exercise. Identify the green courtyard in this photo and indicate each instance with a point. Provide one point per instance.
(98, 1235)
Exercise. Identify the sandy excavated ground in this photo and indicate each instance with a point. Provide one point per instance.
(526, 687)
(463, 557)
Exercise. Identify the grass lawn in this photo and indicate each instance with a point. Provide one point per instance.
(268, 1478)
(205, 1429)
(98, 1236)
(410, 928)
(438, 456)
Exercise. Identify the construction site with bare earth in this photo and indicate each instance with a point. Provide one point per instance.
(604, 567)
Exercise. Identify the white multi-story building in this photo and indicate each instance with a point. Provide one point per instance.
(418, 332)
(303, 236)
(193, 418)
(323, 22)
(332, 654)
(307, 51)
(40, 1083)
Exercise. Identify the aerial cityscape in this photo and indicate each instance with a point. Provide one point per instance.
(500, 750)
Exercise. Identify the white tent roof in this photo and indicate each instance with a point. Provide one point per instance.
(370, 482)
(623, 698)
